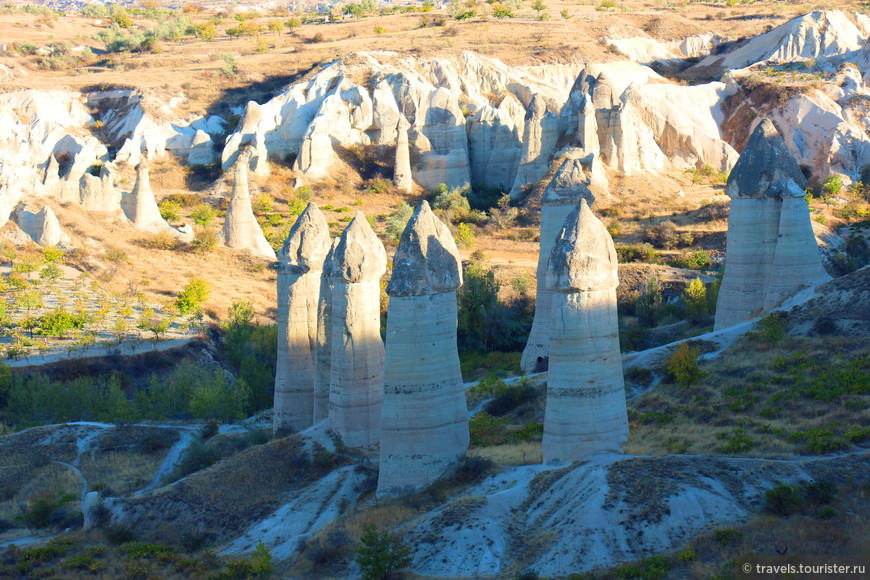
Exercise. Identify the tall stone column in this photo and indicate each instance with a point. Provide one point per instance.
(241, 230)
(357, 365)
(559, 199)
(797, 261)
(768, 230)
(300, 264)
(323, 346)
(424, 418)
(402, 168)
(585, 411)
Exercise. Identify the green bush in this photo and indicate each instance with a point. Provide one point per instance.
(485, 322)
(192, 296)
(381, 554)
(771, 328)
(484, 429)
(683, 365)
(40, 510)
(169, 210)
(649, 305)
(738, 442)
(203, 215)
(782, 500)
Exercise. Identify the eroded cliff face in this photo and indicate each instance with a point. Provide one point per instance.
(469, 118)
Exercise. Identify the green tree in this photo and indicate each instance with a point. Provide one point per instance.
(381, 554)
(292, 24)
(122, 19)
(192, 296)
(648, 305)
(695, 299)
(203, 215)
(538, 6)
(397, 221)
(465, 235)
(683, 365)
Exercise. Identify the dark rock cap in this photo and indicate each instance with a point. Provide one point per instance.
(307, 243)
(426, 261)
(765, 159)
(583, 257)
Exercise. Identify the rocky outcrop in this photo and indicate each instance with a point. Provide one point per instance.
(560, 198)
(99, 193)
(139, 204)
(810, 36)
(539, 141)
(495, 142)
(424, 421)
(442, 144)
(299, 274)
(42, 226)
(585, 411)
(357, 362)
(323, 345)
(241, 230)
(769, 229)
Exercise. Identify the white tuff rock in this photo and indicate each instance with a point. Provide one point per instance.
(424, 418)
(323, 344)
(771, 249)
(299, 275)
(139, 205)
(560, 198)
(241, 230)
(357, 362)
(585, 411)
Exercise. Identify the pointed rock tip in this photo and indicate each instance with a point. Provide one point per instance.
(583, 257)
(765, 160)
(359, 255)
(307, 243)
(427, 261)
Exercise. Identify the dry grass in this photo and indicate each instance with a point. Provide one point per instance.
(50, 479)
(523, 453)
(751, 395)
(123, 472)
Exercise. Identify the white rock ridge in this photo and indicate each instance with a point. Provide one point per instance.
(241, 230)
(585, 412)
(299, 276)
(357, 362)
(424, 418)
(771, 249)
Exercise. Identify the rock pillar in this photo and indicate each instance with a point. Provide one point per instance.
(241, 230)
(140, 206)
(585, 411)
(424, 418)
(299, 273)
(357, 363)
(559, 199)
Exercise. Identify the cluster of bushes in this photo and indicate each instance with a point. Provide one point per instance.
(120, 38)
(66, 556)
(189, 391)
(785, 499)
(486, 323)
